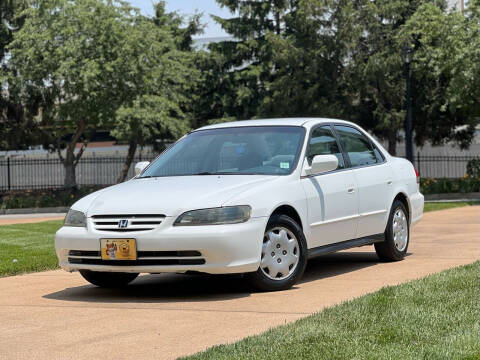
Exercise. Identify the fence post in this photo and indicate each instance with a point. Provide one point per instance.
(418, 163)
(8, 173)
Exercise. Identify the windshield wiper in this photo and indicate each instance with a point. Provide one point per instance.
(224, 173)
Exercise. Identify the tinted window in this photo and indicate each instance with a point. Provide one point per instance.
(238, 150)
(378, 155)
(323, 142)
(357, 146)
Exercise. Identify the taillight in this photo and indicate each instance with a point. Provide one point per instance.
(417, 174)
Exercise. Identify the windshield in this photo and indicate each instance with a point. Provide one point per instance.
(267, 150)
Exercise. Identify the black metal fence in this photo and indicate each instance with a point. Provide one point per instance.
(433, 166)
(30, 173)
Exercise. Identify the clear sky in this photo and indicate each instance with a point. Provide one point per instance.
(188, 7)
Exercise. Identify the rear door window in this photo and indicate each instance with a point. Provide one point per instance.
(358, 147)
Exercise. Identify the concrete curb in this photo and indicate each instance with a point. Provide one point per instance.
(58, 209)
(475, 196)
(453, 201)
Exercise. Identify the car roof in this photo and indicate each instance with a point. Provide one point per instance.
(272, 122)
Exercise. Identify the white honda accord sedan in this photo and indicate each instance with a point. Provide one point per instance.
(258, 197)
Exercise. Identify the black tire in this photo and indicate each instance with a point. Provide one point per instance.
(387, 250)
(259, 280)
(108, 279)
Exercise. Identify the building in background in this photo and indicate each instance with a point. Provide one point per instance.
(457, 4)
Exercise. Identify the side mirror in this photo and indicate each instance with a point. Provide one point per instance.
(140, 166)
(321, 164)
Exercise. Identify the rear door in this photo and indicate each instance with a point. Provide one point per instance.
(332, 196)
(373, 177)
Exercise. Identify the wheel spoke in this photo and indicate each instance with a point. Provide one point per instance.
(283, 237)
(273, 269)
(284, 269)
(291, 245)
(266, 261)
(291, 258)
(273, 236)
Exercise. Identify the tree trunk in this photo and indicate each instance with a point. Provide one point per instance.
(70, 179)
(70, 160)
(132, 148)
(392, 143)
(277, 22)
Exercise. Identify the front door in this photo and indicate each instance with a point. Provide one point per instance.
(332, 197)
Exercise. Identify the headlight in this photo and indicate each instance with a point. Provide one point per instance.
(215, 216)
(75, 218)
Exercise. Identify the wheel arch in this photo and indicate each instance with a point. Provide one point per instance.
(289, 210)
(402, 197)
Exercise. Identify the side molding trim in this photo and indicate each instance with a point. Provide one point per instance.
(331, 248)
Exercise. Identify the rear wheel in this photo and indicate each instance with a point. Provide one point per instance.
(397, 235)
(284, 255)
(108, 279)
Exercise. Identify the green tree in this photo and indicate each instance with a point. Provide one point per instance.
(164, 85)
(446, 71)
(77, 57)
(181, 30)
(214, 91)
(18, 127)
(345, 59)
(310, 59)
(245, 62)
(375, 76)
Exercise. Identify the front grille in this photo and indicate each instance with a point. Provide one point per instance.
(134, 223)
(181, 257)
(187, 253)
(83, 253)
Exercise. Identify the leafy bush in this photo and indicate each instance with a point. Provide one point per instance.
(444, 185)
(473, 168)
(17, 199)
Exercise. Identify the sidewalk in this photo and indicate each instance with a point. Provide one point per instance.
(29, 218)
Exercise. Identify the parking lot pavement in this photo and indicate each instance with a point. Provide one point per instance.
(56, 315)
(29, 218)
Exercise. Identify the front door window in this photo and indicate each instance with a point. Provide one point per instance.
(323, 142)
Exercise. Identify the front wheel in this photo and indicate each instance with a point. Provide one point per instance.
(284, 255)
(397, 235)
(108, 279)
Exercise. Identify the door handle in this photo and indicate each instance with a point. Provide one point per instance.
(351, 190)
(389, 182)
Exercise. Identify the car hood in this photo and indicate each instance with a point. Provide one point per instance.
(169, 196)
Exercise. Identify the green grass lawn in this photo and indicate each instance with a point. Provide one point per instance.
(27, 247)
(446, 205)
(432, 318)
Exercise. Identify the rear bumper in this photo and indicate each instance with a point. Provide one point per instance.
(233, 248)
(416, 201)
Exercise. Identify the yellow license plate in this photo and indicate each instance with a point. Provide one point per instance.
(118, 249)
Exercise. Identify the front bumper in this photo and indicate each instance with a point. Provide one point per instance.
(232, 248)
